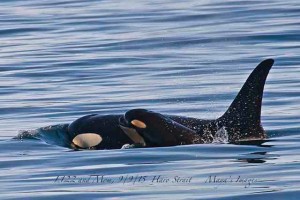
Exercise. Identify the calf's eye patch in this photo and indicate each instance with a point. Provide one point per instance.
(138, 123)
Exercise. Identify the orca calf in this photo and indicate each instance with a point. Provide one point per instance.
(143, 128)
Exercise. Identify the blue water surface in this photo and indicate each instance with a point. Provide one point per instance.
(63, 59)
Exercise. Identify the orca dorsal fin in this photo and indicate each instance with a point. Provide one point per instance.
(244, 113)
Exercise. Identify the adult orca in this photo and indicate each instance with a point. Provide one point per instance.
(242, 120)
(148, 129)
(104, 132)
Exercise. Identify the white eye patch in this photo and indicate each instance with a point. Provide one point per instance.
(138, 123)
(87, 140)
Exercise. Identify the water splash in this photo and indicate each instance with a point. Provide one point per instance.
(54, 134)
(221, 136)
(26, 134)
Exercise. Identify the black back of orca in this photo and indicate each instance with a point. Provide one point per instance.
(108, 129)
(105, 126)
(242, 120)
(156, 129)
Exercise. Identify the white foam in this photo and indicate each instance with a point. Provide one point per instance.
(221, 136)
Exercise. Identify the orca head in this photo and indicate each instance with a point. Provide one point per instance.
(153, 128)
(143, 126)
(135, 123)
